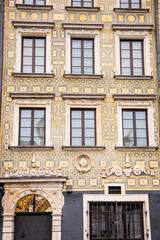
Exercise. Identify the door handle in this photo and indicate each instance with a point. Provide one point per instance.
(22, 234)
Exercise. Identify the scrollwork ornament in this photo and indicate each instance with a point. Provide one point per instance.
(117, 171)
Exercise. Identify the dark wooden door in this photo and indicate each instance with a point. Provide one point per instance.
(33, 226)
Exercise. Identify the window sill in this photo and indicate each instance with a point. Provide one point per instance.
(130, 77)
(86, 148)
(82, 9)
(91, 76)
(34, 7)
(38, 148)
(136, 149)
(33, 75)
(131, 10)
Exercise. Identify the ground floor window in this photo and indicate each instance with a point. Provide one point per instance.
(116, 220)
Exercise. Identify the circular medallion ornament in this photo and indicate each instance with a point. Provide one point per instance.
(83, 163)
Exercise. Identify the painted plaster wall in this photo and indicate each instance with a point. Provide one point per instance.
(110, 157)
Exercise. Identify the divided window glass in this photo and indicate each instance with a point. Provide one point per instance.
(82, 56)
(82, 3)
(132, 57)
(130, 3)
(34, 2)
(83, 127)
(32, 127)
(33, 55)
(116, 220)
(135, 128)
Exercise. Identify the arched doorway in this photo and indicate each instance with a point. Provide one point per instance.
(33, 220)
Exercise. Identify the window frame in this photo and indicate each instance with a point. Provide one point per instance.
(37, 32)
(83, 128)
(82, 54)
(130, 4)
(135, 127)
(82, 4)
(135, 102)
(34, 3)
(69, 3)
(33, 53)
(131, 56)
(86, 102)
(32, 125)
(32, 102)
(113, 198)
(143, 6)
(133, 35)
(85, 34)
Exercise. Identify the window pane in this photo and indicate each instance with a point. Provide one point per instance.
(89, 123)
(125, 63)
(76, 4)
(39, 113)
(89, 133)
(88, 53)
(137, 63)
(89, 142)
(140, 115)
(27, 61)
(27, 42)
(39, 42)
(38, 2)
(39, 69)
(125, 45)
(76, 123)
(38, 141)
(76, 53)
(127, 115)
(39, 61)
(76, 62)
(25, 141)
(27, 51)
(25, 113)
(88, 62)
(137, 71)
(25, 132)
(28, 2)
(39, 52)
(127, 123)
(125, 54)
(87, 4)
(126, 71)
(76, 114)
(39, 122)
(76, 70)
(76, 141)
(142, 142)
(137, 54)
(25, 122)
(76, 132)
(27, 69)
(88, 70)
(76, 43)
(88, 44)
(88, 114)
(128, 139)
(140, 123)
(39, 132)
(141, 133)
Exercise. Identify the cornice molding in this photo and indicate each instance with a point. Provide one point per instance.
(27, 24)
(134, 27)
(31, 95)
(82, 9)
(133, 97)
(131, 10)
(83, 96)
(73, 26)
(34, 7)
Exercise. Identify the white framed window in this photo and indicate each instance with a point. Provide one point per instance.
(114, 188)
(33, 30)
(143, 104)
(84, 3)
(128, 35)
(31, 2)
(128, 4)
(79, 31)
(100, 211)
(87, 104)
(33, 104)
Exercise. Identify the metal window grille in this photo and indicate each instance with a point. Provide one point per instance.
(116, 220)
(114, 190)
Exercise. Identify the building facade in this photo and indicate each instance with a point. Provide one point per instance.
(80, 129)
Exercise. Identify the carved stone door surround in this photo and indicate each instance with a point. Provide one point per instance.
(16, 188)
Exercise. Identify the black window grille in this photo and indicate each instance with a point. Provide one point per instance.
(116, 220)
(114, 190)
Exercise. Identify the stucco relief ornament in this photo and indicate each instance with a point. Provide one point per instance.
(83, 163)
(127, 170)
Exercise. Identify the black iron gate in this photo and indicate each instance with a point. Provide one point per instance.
(33, 226)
